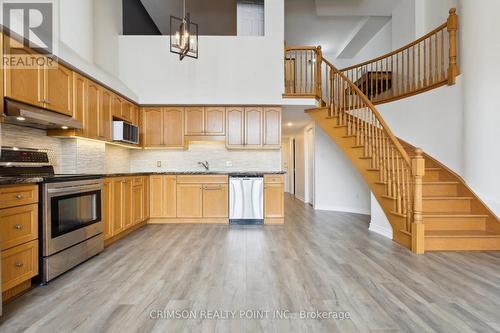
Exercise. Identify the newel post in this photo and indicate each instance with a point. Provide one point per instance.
(417, 226)
(452, 30)
(319, 61)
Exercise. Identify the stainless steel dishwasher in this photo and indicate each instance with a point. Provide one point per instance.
(246, 200)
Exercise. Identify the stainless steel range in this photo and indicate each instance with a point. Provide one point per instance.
(70, 224)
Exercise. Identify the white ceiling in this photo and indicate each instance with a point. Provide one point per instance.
(339, 26)
(355, 7)
(295, 115)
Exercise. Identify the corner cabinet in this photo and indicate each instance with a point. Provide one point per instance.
(253, 128)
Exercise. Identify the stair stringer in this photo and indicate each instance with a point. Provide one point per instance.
(371, 177)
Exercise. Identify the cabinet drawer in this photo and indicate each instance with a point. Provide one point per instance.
(19, 264)
(18, 225)
(138, 181)
(209, 179)
(274, 179)
(18, 195)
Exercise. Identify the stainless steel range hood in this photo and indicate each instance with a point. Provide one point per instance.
(25, 115)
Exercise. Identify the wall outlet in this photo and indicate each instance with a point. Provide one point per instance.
(158, 164)
(229, 163)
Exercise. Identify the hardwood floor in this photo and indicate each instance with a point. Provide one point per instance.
(323, 261)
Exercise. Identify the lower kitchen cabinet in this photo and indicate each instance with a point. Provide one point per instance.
(215, 201)
(274, 199)
(18, 238)
(124, 205)
(189, 200)
(163, 196)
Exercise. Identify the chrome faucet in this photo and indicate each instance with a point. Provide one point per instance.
(205, 165)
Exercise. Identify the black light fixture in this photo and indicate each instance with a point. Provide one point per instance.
(183, 36)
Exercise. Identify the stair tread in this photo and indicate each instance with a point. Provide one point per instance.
(461, 233)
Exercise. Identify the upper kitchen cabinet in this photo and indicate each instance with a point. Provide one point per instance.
(194, 121)
(127, 111)
(134, 118)
(235, 118)
(272, 127)
(117, 107)
(253, 127)
(93, 110)
(23, 84)
(152, 127)
(80, 102)
(215, 118)
(173, 131)
(58, 89)
(105, 115)
(205, 121)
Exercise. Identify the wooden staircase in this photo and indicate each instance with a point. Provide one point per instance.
(429, 207)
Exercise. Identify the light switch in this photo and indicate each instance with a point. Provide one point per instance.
(158, 164)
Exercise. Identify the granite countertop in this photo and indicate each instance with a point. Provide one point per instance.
(34, 180)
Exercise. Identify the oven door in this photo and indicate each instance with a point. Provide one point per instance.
(72, 214)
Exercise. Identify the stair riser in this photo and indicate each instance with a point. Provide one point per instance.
(431, 176)
(448, 223)
(448, 205)
(440, 190)
(462, 244)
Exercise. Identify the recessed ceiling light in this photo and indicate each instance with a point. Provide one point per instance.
(289, 124)
(64, 127)
(21, 118)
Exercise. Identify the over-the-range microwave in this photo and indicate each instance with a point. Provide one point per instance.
(125, 132)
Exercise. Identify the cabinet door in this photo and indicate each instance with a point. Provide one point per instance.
(253, 127)
(117, 213)
(152, 128)
(59, 89)
(235, 118)
(215, 118)
(93, 109)
(156, 196)
(80, 101)
(135, 115)
(23, 84)
(215, 200)
(126, 113)
(107, 210)
(105, 117)
(127, 203)
(146, 198)
(272, 127)
(137, 204)
(274, 201)
(169, 196)
(194, 121)
(117, 106)
(173, 129)
(189, 200)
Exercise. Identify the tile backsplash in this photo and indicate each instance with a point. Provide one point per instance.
(219, 158)
(76, 156)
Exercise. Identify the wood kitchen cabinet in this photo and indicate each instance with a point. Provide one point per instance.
(205, 121)
(127, 203)
(163, 127)
(163, 196)
(126, 111)
(253, 127)
(137, 200)
(215, 201)
(105, 129)
(93, 110)
(80, 102)
(47, 87)
(235, 123)
(118, 206)
(117, 106)
(107, 209)
(274, 196)
(272, 127)
(189, 200)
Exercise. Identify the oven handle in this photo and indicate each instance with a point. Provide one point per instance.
(74, 189)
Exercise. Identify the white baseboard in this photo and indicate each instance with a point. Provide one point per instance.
(300, 198)
(343, 209)
(381, 230)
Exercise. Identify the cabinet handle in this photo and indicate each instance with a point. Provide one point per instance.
(18, 226)
(19, 196)
(212, 188)
(19, 264)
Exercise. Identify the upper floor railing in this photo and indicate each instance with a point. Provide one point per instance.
(427, 63)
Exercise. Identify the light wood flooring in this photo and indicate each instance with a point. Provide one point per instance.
(323, 261)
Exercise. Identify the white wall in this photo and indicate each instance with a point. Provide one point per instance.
(339, 186)
(432, 13)
(480, 46)
(380, 44)
(403, 24)
(230, 70)
(300, 166)
(77, 26)
(108, 28)
(378, 221)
